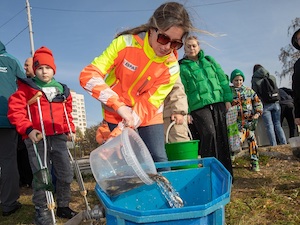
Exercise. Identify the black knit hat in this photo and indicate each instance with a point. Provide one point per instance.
(294, 41)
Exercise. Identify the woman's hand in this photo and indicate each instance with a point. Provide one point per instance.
(178, 118)
(126, 113)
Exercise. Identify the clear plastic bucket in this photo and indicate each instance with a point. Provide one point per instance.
(122, 163)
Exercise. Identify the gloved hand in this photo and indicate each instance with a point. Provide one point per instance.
(126, 113)
(130, 118)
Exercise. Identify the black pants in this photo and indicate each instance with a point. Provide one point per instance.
(210, 123)
(23, 163)
(287, 111)
(9, 179)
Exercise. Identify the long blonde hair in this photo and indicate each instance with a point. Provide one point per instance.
(191, 38)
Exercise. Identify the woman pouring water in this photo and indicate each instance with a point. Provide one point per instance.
(135, 73)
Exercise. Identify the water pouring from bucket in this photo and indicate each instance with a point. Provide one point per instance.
(168, 191)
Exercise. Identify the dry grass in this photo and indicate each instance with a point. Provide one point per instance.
(25, 215)
(268, 197)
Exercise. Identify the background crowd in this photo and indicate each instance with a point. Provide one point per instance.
(141, 84)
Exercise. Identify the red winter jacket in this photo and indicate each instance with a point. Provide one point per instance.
(52, 112)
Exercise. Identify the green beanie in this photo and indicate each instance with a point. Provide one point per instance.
(235, 73)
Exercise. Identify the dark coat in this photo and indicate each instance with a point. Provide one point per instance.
(10, 70)
(286, 96)
(296, 88)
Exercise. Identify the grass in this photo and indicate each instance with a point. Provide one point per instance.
(268, 197)
(25, 215)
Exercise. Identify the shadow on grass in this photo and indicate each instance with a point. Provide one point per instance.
(22, 216)
(288, 186)
(252, 182)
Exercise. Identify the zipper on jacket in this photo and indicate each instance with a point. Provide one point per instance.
(137, 80)
(143, 85)
(52, 119)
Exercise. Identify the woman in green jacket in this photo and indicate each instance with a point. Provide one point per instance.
(209, 97)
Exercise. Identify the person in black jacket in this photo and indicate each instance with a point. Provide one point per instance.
(296, 78)
(287, 109)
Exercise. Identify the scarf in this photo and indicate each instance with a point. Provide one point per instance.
(51, 89)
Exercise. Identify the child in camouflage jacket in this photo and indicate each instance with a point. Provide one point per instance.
(249, 108)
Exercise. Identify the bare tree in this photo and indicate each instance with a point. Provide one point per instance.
(90, 138)
(86, 142)
(288, 54)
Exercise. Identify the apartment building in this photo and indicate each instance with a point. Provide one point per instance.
(79, 114)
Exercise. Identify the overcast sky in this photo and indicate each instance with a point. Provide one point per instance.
(249, 32)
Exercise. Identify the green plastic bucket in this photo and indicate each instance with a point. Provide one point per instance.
(182, 150)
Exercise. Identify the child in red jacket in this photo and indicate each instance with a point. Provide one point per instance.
(56, 107)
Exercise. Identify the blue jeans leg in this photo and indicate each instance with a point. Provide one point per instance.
(153, 137)
(267, 118)
(271, 118)
(276, 114)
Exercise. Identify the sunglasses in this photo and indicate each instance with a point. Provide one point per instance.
(165, 39)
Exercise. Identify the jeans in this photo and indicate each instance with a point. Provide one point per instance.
(153, 137)
(271, 118)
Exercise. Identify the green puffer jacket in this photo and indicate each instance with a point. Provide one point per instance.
(204, 81)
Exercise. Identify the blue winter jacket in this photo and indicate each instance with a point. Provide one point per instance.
(10, 69)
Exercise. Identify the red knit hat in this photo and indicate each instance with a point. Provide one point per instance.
(43, 56)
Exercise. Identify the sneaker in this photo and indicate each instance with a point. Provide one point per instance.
(65, 212)
(16, 208)
(43, 216)
(255, 166)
